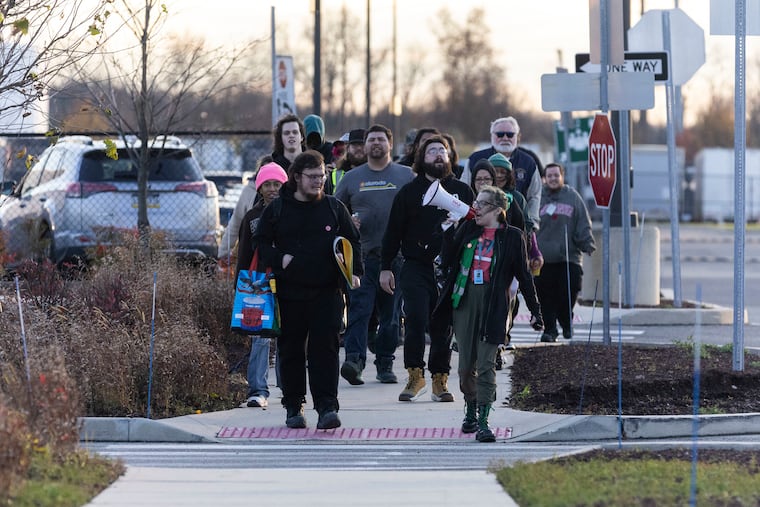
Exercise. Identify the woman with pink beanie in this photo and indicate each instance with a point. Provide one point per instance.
(268, 181)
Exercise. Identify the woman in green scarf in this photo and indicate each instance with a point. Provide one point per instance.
(482, 258)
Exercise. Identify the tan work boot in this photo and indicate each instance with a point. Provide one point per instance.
(441, 388)
(415, 386)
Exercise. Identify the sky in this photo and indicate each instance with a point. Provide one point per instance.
(528, 35)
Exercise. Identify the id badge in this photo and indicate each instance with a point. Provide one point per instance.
(477, 277)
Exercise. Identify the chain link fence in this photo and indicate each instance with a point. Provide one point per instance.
(69, 201)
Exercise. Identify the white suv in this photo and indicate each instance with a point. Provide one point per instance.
(75, 197)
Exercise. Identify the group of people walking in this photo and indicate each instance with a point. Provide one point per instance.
(439, 275)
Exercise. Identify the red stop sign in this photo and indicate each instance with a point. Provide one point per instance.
(602, 161)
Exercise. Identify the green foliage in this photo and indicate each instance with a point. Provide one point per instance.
(628, 482)
(523, 394)
(706, 350)
(111, 149)
(21, 26)
(72, 481)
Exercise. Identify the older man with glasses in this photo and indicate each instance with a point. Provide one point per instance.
(505, 137)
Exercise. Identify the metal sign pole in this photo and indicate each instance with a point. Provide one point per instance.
(605, 54)
(672, 172)
(740, 145)
(625, 203)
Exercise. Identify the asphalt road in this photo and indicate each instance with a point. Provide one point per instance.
(707, 260)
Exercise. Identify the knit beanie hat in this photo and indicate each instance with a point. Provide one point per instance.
(499, 160)
(271, 171)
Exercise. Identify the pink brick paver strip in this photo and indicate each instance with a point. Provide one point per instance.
(355, 433)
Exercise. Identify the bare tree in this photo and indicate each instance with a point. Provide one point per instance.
(38, 40)
(473, 86)
(163, 83)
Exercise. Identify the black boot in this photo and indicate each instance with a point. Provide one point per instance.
(295, 417)
(470, 422)
(385, 370)
(328, 415)
(352, 370)
(484, 433)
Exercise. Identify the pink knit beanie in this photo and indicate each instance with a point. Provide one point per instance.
(271, 171)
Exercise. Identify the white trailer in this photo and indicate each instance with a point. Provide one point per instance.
(714, 184)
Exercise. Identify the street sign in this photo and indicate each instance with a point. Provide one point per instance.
(574, 141)
(687, 41)
(601, 161)
(580, 91)
(654, 62)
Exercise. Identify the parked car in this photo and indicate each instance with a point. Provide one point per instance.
(229, 184)
(75, 197)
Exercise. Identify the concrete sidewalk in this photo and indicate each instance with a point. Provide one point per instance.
(373, 412)
(375, 406)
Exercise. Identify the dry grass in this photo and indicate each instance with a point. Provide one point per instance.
(88, 340)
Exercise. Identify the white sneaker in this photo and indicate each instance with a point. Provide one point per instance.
(257, 401)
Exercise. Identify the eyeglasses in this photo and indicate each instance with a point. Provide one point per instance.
(483, 180)
(435, 151)
(314, 177)
(483, 204)
(509, 135)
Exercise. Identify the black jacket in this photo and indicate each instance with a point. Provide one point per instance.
(414, 228)
(245, 236)
(305, 230)
(510, 257)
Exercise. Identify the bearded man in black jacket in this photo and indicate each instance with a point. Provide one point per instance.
(416, 230)
(295, 236)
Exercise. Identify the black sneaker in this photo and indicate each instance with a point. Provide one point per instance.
(295, 418)
(328, 420)
(548, 337)
(352, 372)
(567, 334)
(485, 435)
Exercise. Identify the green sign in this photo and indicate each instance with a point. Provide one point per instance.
(578, 140)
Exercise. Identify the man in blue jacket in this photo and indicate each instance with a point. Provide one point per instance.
(505, 137)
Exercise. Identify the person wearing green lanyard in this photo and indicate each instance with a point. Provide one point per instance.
(482, 256)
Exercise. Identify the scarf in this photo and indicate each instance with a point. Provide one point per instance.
(464, 270)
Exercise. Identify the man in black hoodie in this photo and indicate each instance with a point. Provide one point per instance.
(295, 237)
(416, 230)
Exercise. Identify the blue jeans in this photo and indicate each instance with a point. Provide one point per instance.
(258, 367)
(361, 302)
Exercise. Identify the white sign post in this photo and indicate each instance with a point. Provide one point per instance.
(726, 19)
(674, 32)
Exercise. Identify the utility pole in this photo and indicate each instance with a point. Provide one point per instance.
(369, 68)
(317, 97)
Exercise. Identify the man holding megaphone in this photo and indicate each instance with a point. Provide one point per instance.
(415, 229)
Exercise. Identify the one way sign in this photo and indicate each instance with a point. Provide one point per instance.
(656, 63)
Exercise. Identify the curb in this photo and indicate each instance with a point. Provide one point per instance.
(137, 429)
(710, 315)
(606, 427)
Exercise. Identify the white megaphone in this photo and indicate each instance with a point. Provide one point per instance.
(436, 195)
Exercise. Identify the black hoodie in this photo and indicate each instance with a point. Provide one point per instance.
(306, 231)
(415, 228)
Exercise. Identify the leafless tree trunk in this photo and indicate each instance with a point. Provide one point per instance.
(174, 84)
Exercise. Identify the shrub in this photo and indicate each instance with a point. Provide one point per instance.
(100, 327)
(14, 452)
